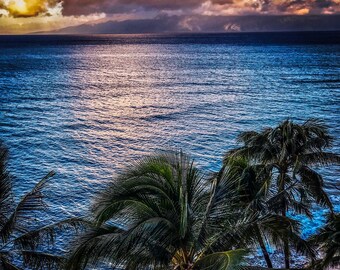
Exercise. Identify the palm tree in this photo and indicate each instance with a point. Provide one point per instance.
(328, 239)
(252, 182)
(20, 244)
(161, 213)
(290, 150)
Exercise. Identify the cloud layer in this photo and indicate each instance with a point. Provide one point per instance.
(47, 14)
(31, 8)
(208, 7)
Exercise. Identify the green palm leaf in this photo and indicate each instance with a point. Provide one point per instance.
(5, 187)
(228, 260)
(32, 201)
(288, 150)
(46, 234)
(161, 212)
(328, 241)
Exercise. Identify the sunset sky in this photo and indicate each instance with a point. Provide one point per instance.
(24, 16)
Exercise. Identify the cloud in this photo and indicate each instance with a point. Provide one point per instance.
(76, 7)
(31, 8)
(20, 17)
(28, 8)
(214, 7)
(273, 7)
(43, 14)
(24, 25)
(27, 16)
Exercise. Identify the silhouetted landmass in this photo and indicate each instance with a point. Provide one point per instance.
(167, 24)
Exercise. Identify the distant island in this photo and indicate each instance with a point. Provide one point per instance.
(201, 23)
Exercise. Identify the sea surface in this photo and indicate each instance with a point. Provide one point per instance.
(87, 106)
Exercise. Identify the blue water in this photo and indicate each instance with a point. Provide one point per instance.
(87, 106)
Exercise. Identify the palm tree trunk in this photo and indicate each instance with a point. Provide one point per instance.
(263, 247)
(287, 254)
(286, 249)
(286, 245)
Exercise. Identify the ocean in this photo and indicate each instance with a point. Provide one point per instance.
(87, 106)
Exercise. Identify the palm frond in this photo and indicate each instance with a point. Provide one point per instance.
(111, 245)
(167, 211)
(313, 182)
(328, 240)
(5, 186)
(32, 201)
(228, 260)
(95, 244)
(41, 261)
(46, 235)
(320, 158)
(247, 136)
(5, 264)
(317, 129)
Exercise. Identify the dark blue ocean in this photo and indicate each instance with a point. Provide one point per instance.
(86, 106)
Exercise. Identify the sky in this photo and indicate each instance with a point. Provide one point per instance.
(25, 16)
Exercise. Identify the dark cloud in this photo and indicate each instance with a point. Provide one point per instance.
(83, 7)
(222, 2)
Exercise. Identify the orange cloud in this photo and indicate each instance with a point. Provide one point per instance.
(26, 16)
(302, 11)
(277, 7)
(28, 8)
